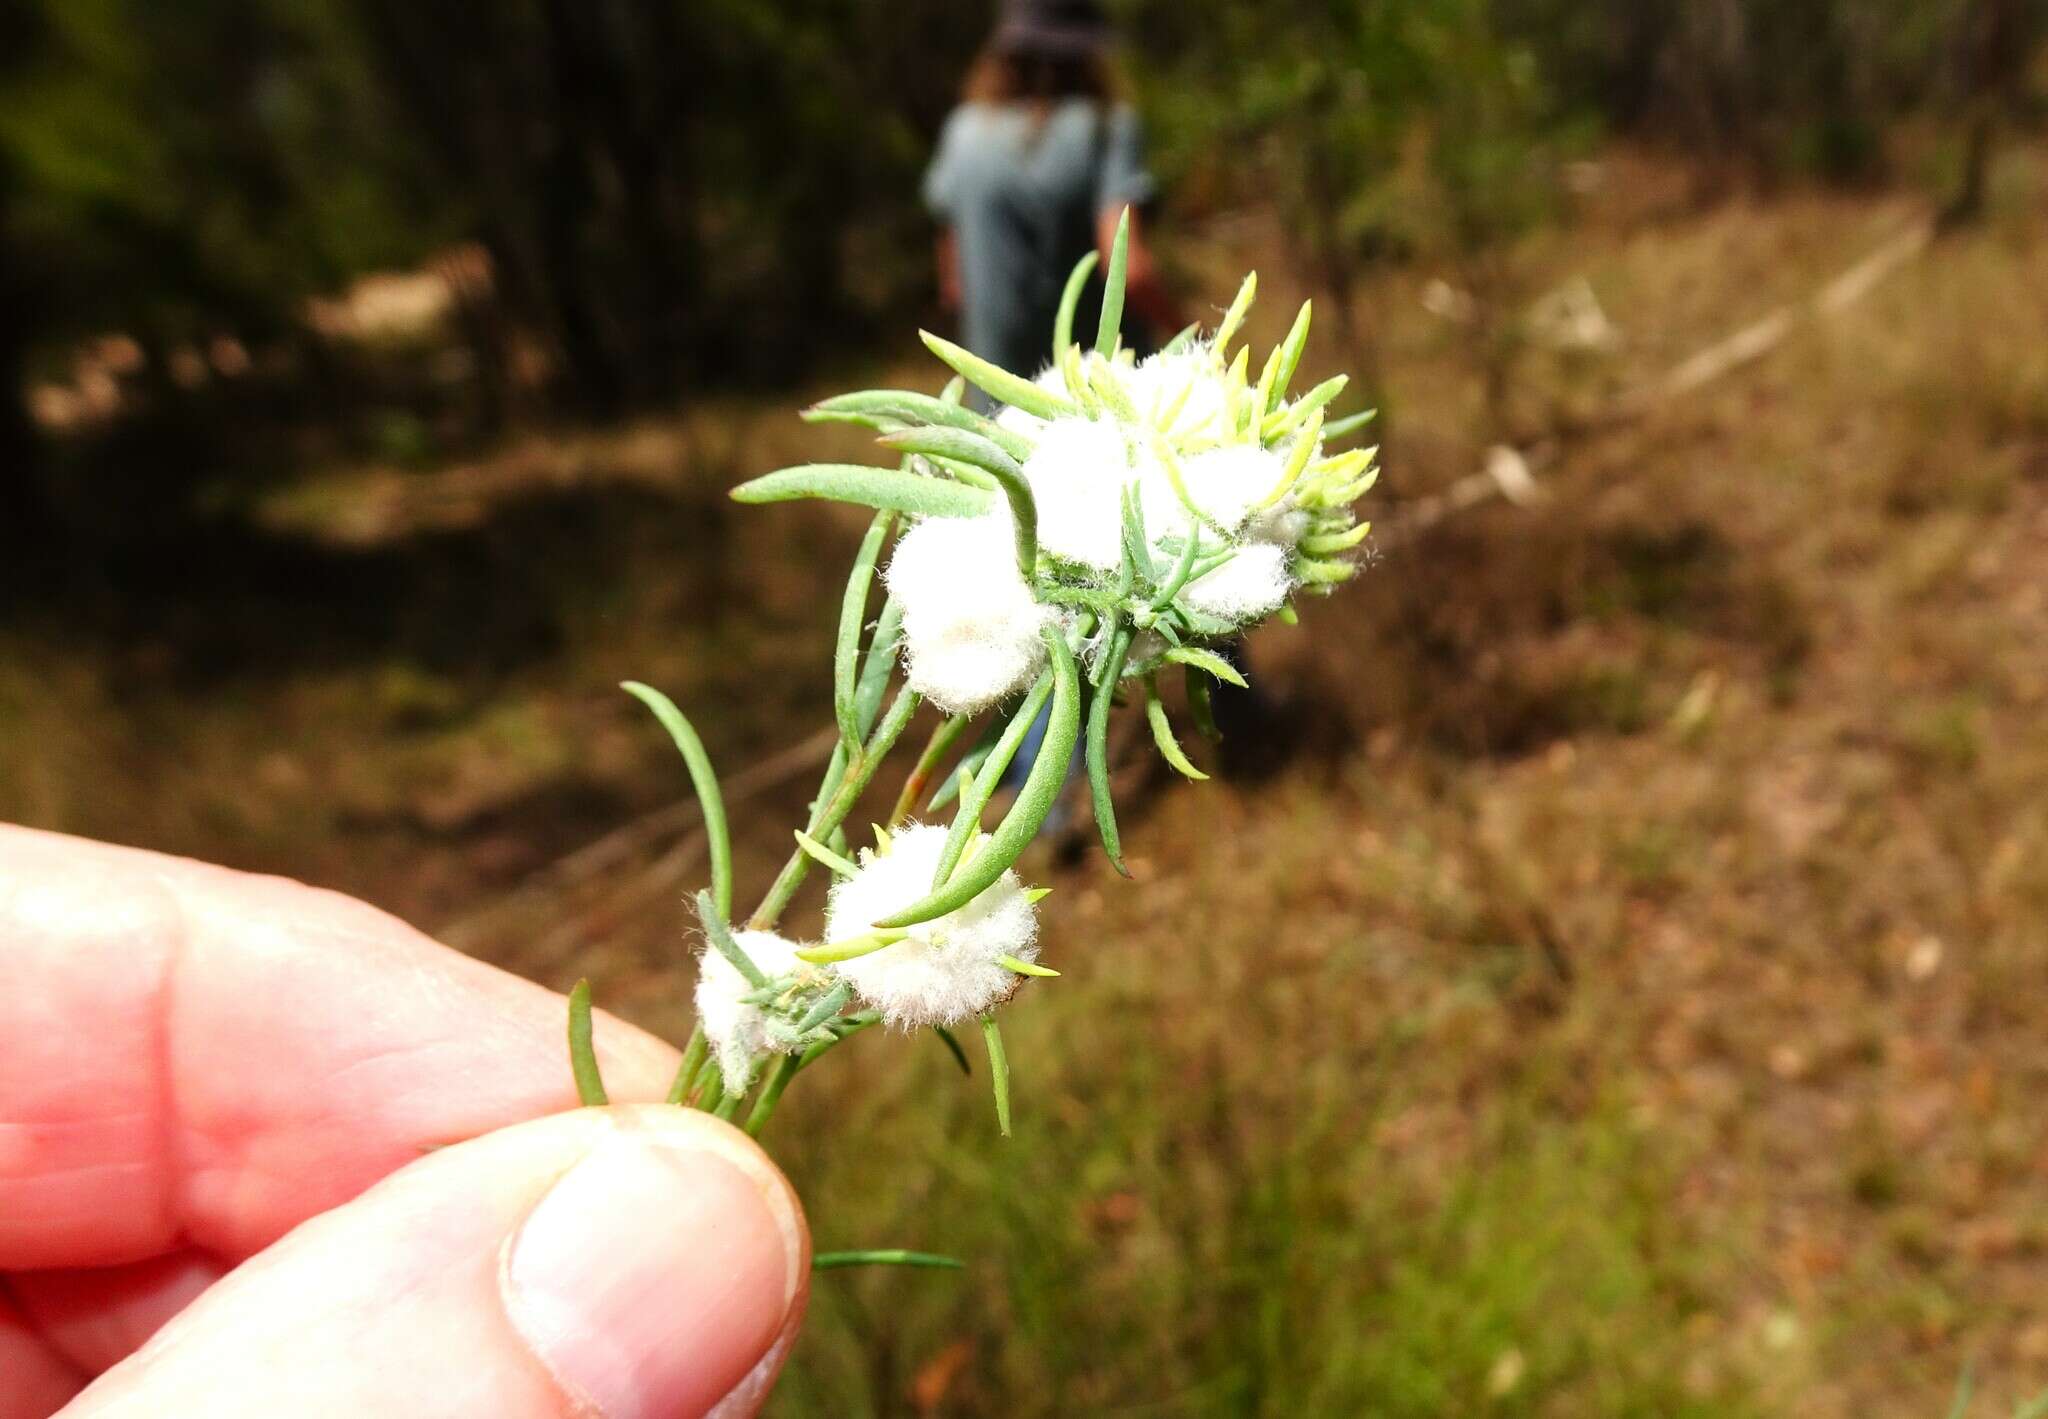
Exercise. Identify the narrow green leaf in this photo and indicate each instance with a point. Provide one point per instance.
(1207, 661)
(1314, 571)
(1035, 800)
(721, 939)
(1283, 422)
(1239, 308)
(973, 448)
(582, 1053)
(853, 619)
(1097, 752)
(1181, 340)
(1280, 421)
(717, 840)
(1290, 358)
(876, 667)
(829, 1005)
(1182, 573)
(889, 409)
(975, 794)
(1324, 543)
(1349, 424)
(1035, 895)
(1138, 564)
(834, 1260)
(1026, 968)
(1070, 300)
(1113, 287)
(892, 489)
(997, 382)
(824, 856)
(953, 1044)
(970, 763)
(1162, 735)
(1297, 461)
(851, 948)
(999, 1071)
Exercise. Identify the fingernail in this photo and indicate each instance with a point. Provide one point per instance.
(652, 1278)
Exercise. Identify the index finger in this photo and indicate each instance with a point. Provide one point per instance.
(194, 1056)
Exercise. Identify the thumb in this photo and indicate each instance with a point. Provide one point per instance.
(630, 1263)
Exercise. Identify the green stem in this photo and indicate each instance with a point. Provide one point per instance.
(582, 1053)
(974, 797)
(859, 774)
(779, 1074)
(693, 1060)
(936, 748)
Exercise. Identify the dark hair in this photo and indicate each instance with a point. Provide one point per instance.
(1003, 75)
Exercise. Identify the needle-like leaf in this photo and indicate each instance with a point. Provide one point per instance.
(1113, 287)
(995, 381)
(892, 489)
(1162, 735)
(999, 1071)
(703, 779)
(953, 1044)
(834, 1260)
(1070, 300)
(582, 1053)
(1035, 800)
(853, 617)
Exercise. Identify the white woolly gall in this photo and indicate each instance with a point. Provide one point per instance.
(970, 625)
(1225, 483)
(1077, 475)
(1253, 583)
(1184, 394)
(736, 1030)
(946, 970)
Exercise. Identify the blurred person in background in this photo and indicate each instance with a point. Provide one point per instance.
(1034, 168)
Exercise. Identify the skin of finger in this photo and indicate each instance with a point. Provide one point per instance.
(94, 1318)
(34, 1380)
(393, 1305)
(196, 1056)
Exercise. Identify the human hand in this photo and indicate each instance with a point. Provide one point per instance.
(325, 1164)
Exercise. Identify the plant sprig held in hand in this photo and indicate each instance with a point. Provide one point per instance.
(1118, 516)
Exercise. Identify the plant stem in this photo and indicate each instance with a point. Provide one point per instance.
(779, 1074)
(859, 774)
(943, 738)
(693, 1060)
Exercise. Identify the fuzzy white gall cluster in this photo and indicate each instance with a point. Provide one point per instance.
(736, 1030)
(1182, 393)
(946, 970)
(1225, 484)
(1077, 474)
(971, 626)
(1253, 583)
